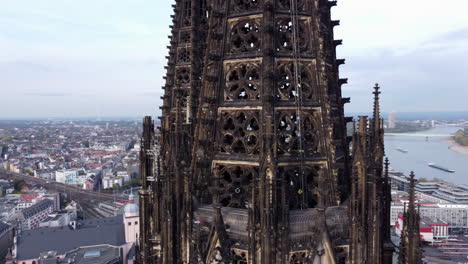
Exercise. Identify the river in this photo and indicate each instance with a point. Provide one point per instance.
(421, 152)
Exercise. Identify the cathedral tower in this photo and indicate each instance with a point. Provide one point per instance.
(255, 160)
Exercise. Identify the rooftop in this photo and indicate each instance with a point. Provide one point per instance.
(94, 255)
(4, 227)
(104, 231)
(425, 221)
(36, 208)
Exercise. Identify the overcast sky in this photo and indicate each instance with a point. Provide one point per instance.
(70, 58)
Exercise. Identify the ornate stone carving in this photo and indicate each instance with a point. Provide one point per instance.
(183, 55)
(285, 35)
(288, 133)
(185, 36)
(240, 257)
(235, 185)
(287, 85)
(186, 15)
(301, 257)
(245, 5)
(245, 36)
(239, 133)
(242, 81)
(182, 76)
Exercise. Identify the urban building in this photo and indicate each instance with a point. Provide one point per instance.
(72, 177)
(64, 149)
(6, 240)
(391, 120)
(32, 216)
(80, 237)
(46, 174)
(26, 200)
(399, 182)
(110, 208)
(455, 215)
(458, 195)
(57, 219)
(254, 163)
(429, 230)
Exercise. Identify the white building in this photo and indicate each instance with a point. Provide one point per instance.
(458, 195)
(23, 205)
(44, 174)
(455, 215)
(124, 175)
(119, 181)
(72, 177)
(66, 176)
(430, 230)
(107, 182)
(56, 219)
(391, 120)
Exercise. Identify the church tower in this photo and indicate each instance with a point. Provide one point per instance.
(131, 220)
(255, 162)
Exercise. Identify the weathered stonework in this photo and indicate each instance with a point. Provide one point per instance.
(255, 160)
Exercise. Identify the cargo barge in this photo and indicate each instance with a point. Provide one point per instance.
(435, 166)
(402, 150)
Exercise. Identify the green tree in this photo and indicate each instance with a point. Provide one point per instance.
(461, 137)
(85, 143)
(18, 185)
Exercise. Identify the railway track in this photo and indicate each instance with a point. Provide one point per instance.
(88, 200)
(75, 192)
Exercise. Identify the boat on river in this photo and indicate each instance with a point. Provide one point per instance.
(435, 166)
(402, 150)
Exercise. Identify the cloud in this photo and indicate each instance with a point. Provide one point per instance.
(428, 77)
(455, 35)
(106, 57)
(48, 94)
(150, 93)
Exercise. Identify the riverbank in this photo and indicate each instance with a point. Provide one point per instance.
(454, 146)
(405, 130)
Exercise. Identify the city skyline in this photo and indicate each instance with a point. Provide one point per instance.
(106, 58)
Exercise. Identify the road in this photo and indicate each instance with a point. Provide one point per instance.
(75, 193)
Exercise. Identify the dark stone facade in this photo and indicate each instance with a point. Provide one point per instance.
(254, 162)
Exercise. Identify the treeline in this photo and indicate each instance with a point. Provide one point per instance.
(407, 127)
(461, 137)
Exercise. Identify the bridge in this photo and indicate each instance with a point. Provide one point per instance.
(417, 135)
(437, 123)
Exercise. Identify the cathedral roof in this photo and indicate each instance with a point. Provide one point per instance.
(108, 231)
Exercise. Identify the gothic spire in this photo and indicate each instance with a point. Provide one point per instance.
(410, 243)
(388, 248)
(412, 198)
(376, 114)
